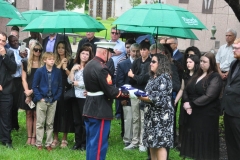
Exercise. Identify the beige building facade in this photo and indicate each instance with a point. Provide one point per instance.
(210, 12)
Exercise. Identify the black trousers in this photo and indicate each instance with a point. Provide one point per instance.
(18, 85)
(232, 136)
(80, 130)
(5, 117)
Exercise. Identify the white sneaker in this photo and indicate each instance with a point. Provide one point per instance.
(130, 147)
(142, 149)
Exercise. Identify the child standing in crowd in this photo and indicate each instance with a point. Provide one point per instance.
(47, 89)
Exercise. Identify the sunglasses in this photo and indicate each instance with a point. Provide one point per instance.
(115, 33)
(153, 62)
(37, 50)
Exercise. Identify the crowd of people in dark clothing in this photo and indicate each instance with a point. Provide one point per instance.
(37, 78)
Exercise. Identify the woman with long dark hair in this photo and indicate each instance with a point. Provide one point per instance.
(76, 79)
(192, 63)
(63, 120)
(159, 112)
(200, 138)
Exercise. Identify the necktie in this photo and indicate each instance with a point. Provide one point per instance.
(236, 70)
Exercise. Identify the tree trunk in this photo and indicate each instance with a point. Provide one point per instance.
(234, 4)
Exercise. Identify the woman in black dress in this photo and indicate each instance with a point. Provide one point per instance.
(192, 63)
(63, 120)
(28, 69)
(200, 138)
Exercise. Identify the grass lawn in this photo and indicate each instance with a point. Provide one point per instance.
(102, 34)
(25, 152)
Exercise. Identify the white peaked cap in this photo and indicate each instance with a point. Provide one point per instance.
(107, 45)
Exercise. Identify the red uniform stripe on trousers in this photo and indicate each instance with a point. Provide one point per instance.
(100, 140)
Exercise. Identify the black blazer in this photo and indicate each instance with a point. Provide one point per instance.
(230, 101)
(8, 66)
(59, 37)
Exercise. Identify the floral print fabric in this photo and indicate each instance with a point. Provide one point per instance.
(159, 115)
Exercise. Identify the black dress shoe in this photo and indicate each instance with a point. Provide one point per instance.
(9, 145)
(75, 147)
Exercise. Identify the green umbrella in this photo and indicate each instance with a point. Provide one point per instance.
(7, 10)
(160, 15)
(162, 31)
(29, 16)
(64, 21)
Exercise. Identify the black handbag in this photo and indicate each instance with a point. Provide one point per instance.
(69, 94)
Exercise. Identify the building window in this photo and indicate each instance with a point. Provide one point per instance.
(99, 8)
(109, 8)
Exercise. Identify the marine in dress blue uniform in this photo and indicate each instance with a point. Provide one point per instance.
(97, 110)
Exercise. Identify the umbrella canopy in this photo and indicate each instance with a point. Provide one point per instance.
(162, 31)
(7, 10)
(64, 21)
(29, 16)
(160, 15)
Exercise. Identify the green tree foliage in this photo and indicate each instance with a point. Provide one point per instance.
(71, 4)
(134, 2)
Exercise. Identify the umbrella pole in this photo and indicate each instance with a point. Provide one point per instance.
(106, 34)
(64, 34)
(156, 39)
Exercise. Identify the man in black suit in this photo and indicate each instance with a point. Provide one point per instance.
(50, 42)
(231, 106)
(8, 66)
(90, 38)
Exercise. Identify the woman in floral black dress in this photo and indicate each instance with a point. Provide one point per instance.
(159, 112)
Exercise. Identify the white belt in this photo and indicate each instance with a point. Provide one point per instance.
(98, 93)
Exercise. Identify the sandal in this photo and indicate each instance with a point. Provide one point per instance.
(29, 140)
(64, 144)
(33, 141)
(55, 143)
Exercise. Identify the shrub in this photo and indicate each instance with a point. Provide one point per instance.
(98, 18)
(111, 19)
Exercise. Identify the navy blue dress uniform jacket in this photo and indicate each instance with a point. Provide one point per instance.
(8, 67)
(96, 76)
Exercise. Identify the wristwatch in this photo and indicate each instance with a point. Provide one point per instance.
(66, 69)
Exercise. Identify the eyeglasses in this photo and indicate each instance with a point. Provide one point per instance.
(153, 62)
(228, 35)
(236, 48)
(115, 33)
(37, 50)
